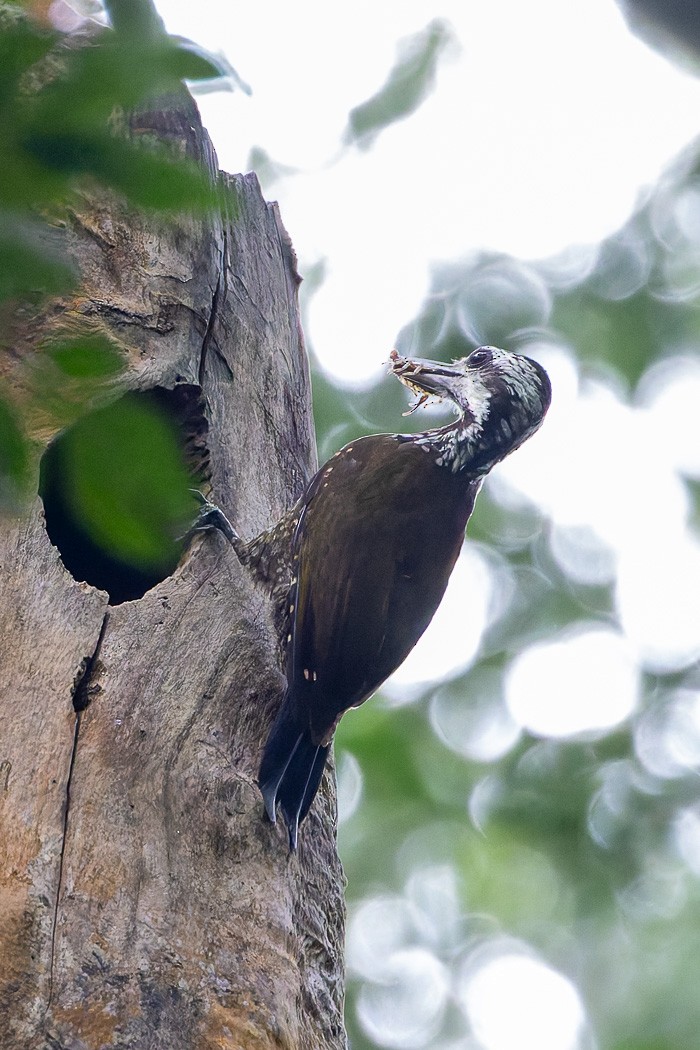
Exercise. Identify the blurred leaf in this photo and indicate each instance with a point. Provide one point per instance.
(210, 72)
(29, 262)
(226, 79)
(146, 175)
(269, 171)
(27, 184)
(624, 334)
(511, 879)
(22, 44)
(14, 460)
(113, 72)
(91, 357)
(409, 83)
(70, 371)
(647, 1044)
(336, 418)
(134, 17)
(671, 27)
(384, 740)
(63, 128)
(127, 482)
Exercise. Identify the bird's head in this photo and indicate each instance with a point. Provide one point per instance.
(501, 398)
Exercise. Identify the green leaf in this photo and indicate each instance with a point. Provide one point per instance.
(114, 72)
(146, 175)
(22, 45)
(70, 371)
(191, 62)
(91, 357)
(126, 481)
(134, 18)
(14, 460)
(409, 83)
(150, 179)
(29, 262)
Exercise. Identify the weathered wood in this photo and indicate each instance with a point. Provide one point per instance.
(49, 626)
(144, 903)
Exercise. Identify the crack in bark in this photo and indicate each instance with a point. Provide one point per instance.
(81, 700)
(214, 312)
(81, 688)
(76, 732)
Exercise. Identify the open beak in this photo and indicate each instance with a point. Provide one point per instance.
(425, 378)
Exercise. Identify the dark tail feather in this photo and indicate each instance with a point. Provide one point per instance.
(293, 808)
(290, 771)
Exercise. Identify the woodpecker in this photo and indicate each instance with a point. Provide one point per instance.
(361, 562)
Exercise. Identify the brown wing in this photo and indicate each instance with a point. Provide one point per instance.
(373, 563)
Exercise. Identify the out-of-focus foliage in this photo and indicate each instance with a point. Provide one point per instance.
(129, 440)
(564, 863)
(672, 26)
(57, 113)
(14, 456)
(65, 102)
(408, 84)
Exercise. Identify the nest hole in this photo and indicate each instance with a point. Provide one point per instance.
(116, 488)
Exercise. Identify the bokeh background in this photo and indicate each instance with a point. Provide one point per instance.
(520, 807)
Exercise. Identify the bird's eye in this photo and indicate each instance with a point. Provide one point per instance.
(482, 356)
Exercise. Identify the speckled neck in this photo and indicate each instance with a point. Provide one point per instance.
(454, 446)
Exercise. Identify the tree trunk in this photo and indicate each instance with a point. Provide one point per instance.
(144, 902)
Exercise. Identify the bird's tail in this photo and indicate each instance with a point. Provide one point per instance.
(290, 770)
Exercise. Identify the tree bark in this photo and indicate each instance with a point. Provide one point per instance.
(144, 902)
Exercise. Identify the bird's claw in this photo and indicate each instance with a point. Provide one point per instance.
(212, 517)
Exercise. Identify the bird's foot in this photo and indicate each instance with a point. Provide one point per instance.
(212, 517)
